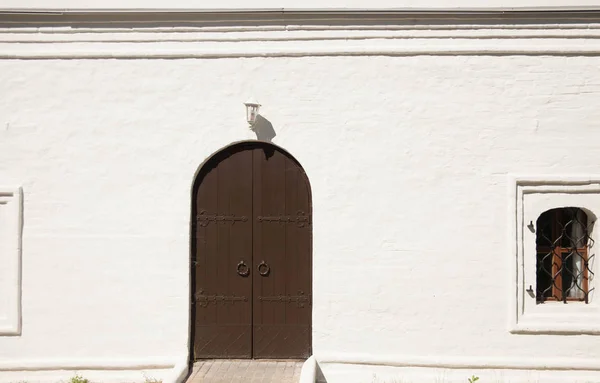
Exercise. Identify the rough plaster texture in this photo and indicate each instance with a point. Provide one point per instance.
(409, 160)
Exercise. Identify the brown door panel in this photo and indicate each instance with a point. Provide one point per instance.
(282, 278)
(223, 281)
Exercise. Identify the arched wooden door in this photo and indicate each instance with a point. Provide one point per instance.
(251, 255)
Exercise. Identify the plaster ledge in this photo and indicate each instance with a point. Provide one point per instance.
(89, 364)
(308, 374)
(464, 362)
(416, 47)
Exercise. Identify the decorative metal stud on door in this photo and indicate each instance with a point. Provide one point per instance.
(251, 256)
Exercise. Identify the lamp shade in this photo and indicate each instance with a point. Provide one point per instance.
(252, 107)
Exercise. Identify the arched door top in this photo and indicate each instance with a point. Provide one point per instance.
(245, 145)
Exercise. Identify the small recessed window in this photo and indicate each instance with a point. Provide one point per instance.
(563, 257)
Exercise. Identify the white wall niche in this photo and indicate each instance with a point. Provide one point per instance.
(531, 196)
(11, 209)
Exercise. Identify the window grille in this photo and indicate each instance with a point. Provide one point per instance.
(563, 247)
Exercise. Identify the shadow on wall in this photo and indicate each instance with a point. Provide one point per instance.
(264, 129)
(320, 378)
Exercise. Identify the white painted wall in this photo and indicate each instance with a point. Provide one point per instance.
(409, 151)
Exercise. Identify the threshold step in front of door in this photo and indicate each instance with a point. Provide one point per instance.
(247, 371)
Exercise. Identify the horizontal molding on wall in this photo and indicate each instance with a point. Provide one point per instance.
(463, 362)
(29, 36)
(343, 15)
(87, 364)
(379, 47)
(133, 29)
(298, 41)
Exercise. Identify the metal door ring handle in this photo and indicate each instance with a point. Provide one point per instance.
(264, 269)
(243, 269)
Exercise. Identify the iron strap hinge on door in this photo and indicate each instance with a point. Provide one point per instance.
(204, 219)
(205, 300)
(299, 299)
(300, 219)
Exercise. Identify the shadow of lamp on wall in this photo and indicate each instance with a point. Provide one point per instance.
(258, 123)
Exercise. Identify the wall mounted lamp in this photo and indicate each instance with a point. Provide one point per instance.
(252, 107)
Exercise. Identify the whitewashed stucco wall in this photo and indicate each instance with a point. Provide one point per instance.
(409, 158)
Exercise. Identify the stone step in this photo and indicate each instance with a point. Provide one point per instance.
(246, 371)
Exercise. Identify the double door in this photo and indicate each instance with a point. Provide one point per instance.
(251, 256)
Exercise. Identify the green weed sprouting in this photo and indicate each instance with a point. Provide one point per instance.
(78, 379)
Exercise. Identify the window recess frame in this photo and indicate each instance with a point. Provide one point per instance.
(11, 222)
(530, 196)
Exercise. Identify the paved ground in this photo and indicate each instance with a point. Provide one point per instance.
(247, 371)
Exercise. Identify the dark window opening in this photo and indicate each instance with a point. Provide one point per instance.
(563, 256)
